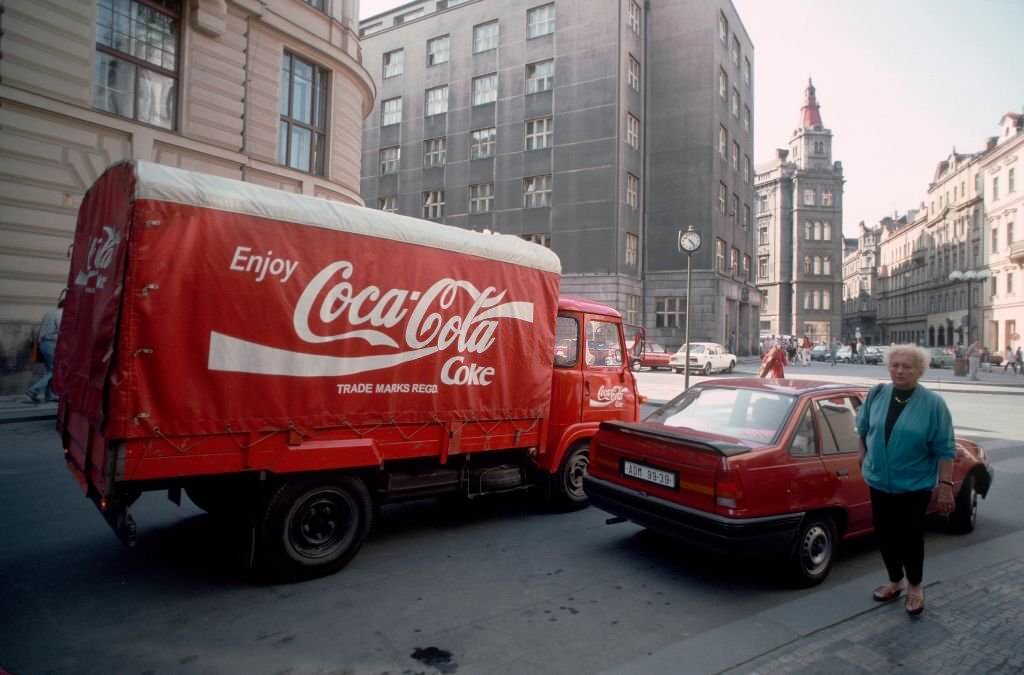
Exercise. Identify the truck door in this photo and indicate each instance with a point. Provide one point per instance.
(608, 391)
(566, 380)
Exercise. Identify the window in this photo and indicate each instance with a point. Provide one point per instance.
(720, 255)
(438, 50)
(735, 213)
(735, 156)
(1009, 283)
(746, 169)
(807, 299)
(1009, 234)
(808, 196)
(633, 76)
(827, 232)
(669, 312)
(807, 230)
(839, 432)
(817, 264)
(540, 21)
(632, 191)
(1010, 182)
(543, 239)
(722, 190)
(632, 249)
(817, 299)
(434, 151)
(746, 71)
(746, 267)
(481, 143)
(762, 203)
(485, 37)
(540, 76)
(389, 159)
(633, 17)
(826, 197)
(136, 73)
(388, 204)
(826, 299)
(723, 29)
(485, 89)
(437, 99)
(723, 84)
(817, 231)
(539, 133)
(393, 63)
(995, 239)
(762, 267)
(746, 216)
(433, 205)
(762, 237)
(734, 260)
(807, 264)
(633, 309)
(632, 131)
(481, 198)
(723, 141)
(826, 265)
(537, 191)
(391, 111)
(995, 188)
(735, 103)
(735, 51)
(302, 131)
(566, 342)
(316, 4)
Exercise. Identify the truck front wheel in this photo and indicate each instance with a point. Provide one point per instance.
(314, 526)
(568, 491)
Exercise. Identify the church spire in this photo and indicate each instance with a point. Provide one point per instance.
(810, 115)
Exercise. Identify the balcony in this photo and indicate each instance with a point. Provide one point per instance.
(1017, 252)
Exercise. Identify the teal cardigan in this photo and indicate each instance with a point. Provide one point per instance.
(921, 437)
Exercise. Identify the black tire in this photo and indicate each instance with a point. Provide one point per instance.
(813, 551)
(635, 364)
(732, 365)
(965, 515)
(314, 526)
(679, 371)
(567, 485)
(707, 369)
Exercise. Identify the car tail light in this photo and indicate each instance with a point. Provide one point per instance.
(728, 493)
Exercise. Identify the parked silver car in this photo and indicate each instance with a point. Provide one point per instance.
(940, 358)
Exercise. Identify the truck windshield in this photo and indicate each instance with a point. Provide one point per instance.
(747, 414)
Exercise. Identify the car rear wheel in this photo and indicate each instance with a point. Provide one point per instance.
(732, 364)
(814, 551)
(679, 371)
(707, 368)
(965, 515)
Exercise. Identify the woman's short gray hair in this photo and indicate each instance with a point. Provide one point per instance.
(919, 356)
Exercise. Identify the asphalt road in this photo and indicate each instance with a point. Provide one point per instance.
(494, 587)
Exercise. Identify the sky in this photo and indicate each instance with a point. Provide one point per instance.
(900, 84)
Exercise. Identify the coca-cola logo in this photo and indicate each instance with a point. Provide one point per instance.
(609, 396)
(100, 256)
(413, 323)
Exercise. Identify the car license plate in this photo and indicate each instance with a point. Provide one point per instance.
(649, 474)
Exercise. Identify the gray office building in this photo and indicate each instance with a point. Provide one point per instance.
(599, 128)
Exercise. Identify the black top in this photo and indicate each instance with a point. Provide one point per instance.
(896, 406)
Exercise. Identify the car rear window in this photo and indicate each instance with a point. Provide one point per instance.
(747, 414)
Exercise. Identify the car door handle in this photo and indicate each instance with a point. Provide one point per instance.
(842, 473)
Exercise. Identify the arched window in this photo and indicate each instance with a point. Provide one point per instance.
(827, 265)
(942, 336)
(807, 299)
(817, 264)
(826, 299)
(807, 264)
(827, 235)
(807, 230)
(931, 336)
(817, 299)
(817, 231)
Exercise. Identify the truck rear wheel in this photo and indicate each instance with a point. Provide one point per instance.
(567, 493)
(314, 526)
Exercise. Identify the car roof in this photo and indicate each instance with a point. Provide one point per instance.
(783, 386)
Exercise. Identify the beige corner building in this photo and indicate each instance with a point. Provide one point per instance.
(267, 91)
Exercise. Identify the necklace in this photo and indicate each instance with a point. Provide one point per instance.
(901, 401)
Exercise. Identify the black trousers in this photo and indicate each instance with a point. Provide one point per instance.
(899, 525)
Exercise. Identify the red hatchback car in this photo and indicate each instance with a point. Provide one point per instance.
(766, 467)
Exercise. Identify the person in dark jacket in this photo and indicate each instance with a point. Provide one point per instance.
(907, 437)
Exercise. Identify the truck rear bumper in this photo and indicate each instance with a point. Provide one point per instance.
(771, 535)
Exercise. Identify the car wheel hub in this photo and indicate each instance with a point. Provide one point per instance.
(574, 476)
(816, 549)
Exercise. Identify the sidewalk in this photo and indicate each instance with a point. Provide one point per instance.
(973, 623)
(18, 409)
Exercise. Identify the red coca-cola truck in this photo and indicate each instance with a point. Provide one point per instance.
(298, 362)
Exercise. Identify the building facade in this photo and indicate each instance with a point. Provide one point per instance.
(1000, 171)
(271, 92)
(800, 225)
(860, 284)
(531, 119)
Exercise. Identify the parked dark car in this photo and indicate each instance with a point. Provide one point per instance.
(819, 353)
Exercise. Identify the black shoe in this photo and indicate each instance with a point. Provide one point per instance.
(32, 397)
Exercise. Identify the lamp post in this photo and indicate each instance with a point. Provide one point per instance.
(689, 242)
(969, 276)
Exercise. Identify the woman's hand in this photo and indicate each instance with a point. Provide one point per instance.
(945, 499)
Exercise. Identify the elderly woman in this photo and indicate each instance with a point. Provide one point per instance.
(907, 436)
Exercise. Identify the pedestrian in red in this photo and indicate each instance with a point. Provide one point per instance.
(772, 363)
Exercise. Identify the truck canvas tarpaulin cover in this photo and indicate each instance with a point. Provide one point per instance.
(206, 306)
